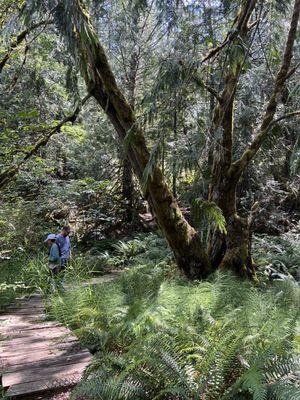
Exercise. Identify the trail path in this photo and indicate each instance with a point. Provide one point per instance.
(39, 356)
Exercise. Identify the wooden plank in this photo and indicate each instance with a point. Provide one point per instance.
(37, 330)
(31, 341)
(27, 311)
(34, 356)
(33, 336)
(22, 328)
(34, 302)
(33, 332)
(20, 307)
(29, 296)
(43, 345)
(29, 325)
(43, 385)
(20, 312)
(51, 373)
(81, 356)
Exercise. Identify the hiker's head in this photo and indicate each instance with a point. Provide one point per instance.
(66, 230)
(50, 239)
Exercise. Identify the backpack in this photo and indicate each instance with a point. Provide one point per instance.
(59, 249)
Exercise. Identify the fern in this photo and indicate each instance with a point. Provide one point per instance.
(110, 389)
(210, 212)
(268, 378)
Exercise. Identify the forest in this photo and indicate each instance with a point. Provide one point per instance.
(164, 135)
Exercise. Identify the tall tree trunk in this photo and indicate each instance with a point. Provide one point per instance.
(183, 239)
(128, 192)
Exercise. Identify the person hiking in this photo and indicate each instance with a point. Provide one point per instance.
(63, 241)
(54, 259)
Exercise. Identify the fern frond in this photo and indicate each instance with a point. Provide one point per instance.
(206, 210)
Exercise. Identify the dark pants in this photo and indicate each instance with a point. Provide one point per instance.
(63, 264)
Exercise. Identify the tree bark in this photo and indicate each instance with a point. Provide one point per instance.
(174, 163)
(128, 192)
(223, 187)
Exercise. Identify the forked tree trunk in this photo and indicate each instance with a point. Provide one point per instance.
(241, 256)
(223, 188)
(234, 250)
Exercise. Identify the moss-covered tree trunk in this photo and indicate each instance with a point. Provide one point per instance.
(183, 239)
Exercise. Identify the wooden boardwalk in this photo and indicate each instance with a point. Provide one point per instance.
(37, 356)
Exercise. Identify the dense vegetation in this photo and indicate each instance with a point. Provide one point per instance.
(166, 134)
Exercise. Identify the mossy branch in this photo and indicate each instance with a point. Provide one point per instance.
(19, 39)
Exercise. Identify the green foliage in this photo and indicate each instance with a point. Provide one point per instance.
(212, 340)
(211, 213)
(19, 233)
(35, 273)
(207, 215)
(159, 336)
(11, 283)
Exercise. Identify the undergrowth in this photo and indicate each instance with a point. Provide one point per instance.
(281, 253)
(157, 336)
(11, 282)
(23, 275)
